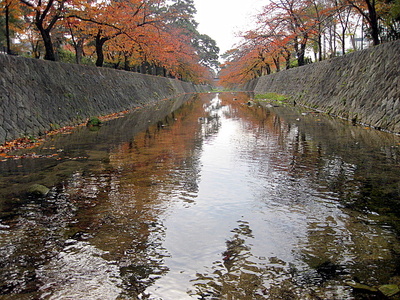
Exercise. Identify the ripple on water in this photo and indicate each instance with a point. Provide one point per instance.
(218, 200)
(80, 272)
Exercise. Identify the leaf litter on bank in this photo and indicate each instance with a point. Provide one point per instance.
(25, 143)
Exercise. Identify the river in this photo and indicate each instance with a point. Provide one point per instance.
(203, 197)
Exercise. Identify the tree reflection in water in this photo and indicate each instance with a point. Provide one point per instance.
(241, 275)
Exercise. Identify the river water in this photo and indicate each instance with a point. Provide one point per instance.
(203, 198)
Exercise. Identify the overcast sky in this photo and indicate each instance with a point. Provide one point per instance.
(222, 19)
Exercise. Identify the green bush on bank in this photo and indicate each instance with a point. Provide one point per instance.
(67, 56)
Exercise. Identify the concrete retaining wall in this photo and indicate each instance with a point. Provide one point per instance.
(363, 86)
(37, 95)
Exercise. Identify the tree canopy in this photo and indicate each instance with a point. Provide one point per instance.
(161, 37)
(156, 37)
(289, 32)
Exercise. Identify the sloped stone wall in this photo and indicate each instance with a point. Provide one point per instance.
(37, 95)
(362, 86)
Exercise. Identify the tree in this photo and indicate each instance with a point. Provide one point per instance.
(389, 15)
(182, 17)
(158, 37)
(12, 20)
(46, 15)
(343, 17)
(77, 38)
(368, 9)
(108, 21)
(207, 50)
(291, 17)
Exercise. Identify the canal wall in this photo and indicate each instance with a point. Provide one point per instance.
(37, 95)
(362, 87)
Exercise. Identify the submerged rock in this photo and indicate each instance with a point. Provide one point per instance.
(328, 270)
(360, 286)
(389, 289)
(38, 190)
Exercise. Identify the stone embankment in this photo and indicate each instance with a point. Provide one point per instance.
(37, 96)
(362, 87)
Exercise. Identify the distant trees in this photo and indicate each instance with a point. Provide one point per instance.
(150, 36)
(288, 30)
(182, 12)
(10, 22)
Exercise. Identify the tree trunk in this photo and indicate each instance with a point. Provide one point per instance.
(99, 49)
(126, 63)
(343, 44)
(371, 18)
(373, 22)
(296, 48)
(78, 45)
(48, 45)
(268, 68)
(142, 68)
(334, 41)
(8, 37)
(35, 49)
(277, 63)
(79, 51)
(319, 47)
(287, 56)
(301, 54)
(375, 30)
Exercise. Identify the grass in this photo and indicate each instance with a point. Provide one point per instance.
(271, 96)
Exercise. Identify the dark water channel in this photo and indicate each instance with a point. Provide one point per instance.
(211, 199)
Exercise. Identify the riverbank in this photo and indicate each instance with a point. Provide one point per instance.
(362, 87)
(37, 96)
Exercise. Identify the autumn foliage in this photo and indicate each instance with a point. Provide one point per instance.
(292, 33)
(137, 35)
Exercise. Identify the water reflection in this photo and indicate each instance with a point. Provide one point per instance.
(79, 272)
(213, 199)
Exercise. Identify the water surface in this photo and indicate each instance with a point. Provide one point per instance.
(210, 199)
